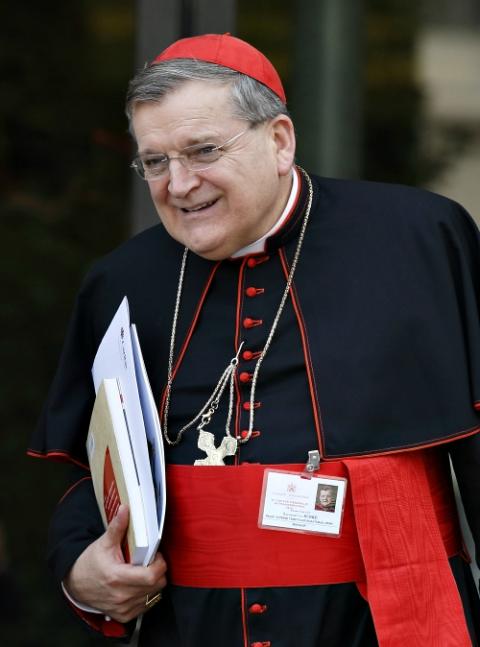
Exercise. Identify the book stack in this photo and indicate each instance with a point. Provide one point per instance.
(124, 442)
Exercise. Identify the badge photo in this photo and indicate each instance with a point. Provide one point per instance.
(294, 502)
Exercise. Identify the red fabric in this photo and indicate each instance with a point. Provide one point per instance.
(97, 621)
(395, 542)
(212, 537)
(231, 52)
(410, 587)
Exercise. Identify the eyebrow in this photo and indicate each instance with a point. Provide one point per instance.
(203, 139)
(150, 151)
(191, 141)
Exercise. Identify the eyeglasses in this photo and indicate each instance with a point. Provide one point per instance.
(198, 157)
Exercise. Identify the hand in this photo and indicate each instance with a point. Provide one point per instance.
(101, 579)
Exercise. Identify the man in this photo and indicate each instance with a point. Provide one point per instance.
(325, 499)
(309, 316)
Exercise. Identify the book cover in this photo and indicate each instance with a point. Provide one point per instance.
(113, 468)
(115, 359)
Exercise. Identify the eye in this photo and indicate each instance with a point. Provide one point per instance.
(203, 153)
(154, 163)
(207, 149)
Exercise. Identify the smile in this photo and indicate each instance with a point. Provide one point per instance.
(204, 205)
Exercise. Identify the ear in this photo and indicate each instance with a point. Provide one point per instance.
(283, 137)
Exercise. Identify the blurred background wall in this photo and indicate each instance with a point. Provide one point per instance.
(379, 89)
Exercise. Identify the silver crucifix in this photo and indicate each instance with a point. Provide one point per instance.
(215, 455)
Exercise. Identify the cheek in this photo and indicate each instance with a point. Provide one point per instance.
(159, 199)
(156, 193)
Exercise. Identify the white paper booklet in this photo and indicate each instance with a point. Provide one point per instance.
(119, 356)
(154, 436)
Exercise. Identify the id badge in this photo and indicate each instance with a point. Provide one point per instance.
(293, 502)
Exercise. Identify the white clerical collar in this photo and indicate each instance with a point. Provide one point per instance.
(259, 245)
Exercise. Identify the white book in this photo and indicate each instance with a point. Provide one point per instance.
(114, 474)
(154, 437)
(119, 357)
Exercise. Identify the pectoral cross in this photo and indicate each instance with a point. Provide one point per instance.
(215, 455)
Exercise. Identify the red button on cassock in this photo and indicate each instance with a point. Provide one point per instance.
(245, 377)
(258, 608)
(254, 292)
(250, 354)
(253, 262)
(244, 433)
(248, 322)
(246, 405)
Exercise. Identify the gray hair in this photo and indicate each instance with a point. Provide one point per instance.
(251, 100)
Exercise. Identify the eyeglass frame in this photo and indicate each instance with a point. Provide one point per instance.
(137, 163)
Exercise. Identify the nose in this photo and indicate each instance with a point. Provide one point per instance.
(181, 181)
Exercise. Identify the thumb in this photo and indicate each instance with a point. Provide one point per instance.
(117, 527)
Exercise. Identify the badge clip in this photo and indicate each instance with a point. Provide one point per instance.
(313, 463)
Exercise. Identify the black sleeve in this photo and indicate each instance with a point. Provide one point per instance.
(75, 524)
(62, 428)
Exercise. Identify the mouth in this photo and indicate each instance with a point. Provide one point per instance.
(200, 207)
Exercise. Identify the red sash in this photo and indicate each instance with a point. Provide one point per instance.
(398, 530)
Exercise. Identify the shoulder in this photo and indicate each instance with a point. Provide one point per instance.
(388, 199)
(152, 247)
(150, 253)
(392, 206)
(143, 268)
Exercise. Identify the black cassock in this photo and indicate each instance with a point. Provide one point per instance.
(377, 350)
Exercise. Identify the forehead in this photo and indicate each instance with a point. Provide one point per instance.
(189, 113)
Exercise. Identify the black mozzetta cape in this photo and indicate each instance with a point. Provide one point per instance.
(377, 350)
(384, 302)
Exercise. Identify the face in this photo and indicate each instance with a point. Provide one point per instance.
(215, 212)
(325, 497)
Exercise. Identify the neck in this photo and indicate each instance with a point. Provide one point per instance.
(288, 192)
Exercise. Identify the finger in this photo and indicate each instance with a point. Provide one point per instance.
(117, 528)
(125, 602)
(158, 564)
(142, 579)
(124, 609)
(125, 614)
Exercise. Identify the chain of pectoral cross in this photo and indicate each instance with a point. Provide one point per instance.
(206, 440)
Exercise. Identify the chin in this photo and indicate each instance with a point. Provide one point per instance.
(211, 255)
(209, 249)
